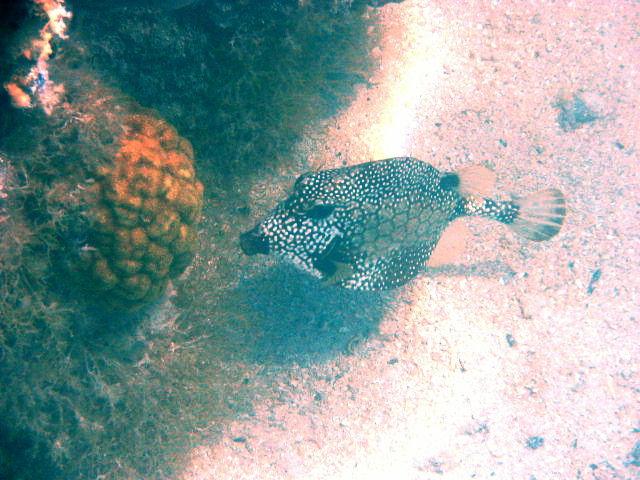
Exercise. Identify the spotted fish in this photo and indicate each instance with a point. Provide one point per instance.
(373, 226)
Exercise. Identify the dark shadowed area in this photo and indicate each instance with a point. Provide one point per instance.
(89, 392)
(294, 318)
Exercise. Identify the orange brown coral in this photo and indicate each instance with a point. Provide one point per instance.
(146, 210)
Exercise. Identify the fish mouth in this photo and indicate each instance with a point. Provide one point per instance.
(253, 243)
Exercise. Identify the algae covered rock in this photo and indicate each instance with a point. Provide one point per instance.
(241, 79)
(101, 196)
(144, 217)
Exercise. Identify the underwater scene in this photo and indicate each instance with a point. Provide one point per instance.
(319, 239)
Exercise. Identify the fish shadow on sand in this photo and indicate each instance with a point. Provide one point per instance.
(488, 269)
(287, 316)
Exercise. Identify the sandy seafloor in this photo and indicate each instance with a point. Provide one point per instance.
(527, 367)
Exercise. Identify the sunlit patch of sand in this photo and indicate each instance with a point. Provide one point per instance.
(413, 58)
(413, 67)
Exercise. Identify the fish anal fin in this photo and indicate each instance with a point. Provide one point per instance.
(451, 245)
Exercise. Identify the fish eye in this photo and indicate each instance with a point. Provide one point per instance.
(318, 212)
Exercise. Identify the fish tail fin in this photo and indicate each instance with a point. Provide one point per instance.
(539, 215)
(476, 180)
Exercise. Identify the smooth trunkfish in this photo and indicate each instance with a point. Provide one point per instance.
(373, 226)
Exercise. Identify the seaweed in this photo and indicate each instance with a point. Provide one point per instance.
(87, 392)
(574, 113)
(241, 80)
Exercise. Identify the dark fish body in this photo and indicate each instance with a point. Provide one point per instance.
(373, 226)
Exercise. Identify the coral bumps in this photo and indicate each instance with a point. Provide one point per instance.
(144, 219)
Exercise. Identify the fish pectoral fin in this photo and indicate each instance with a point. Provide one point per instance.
(333, 269)
(334, 264)
(334, 272)
(326, 267)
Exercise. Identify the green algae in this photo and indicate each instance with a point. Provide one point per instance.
(88, 392)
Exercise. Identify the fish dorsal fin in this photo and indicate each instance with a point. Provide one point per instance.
(476, 180)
